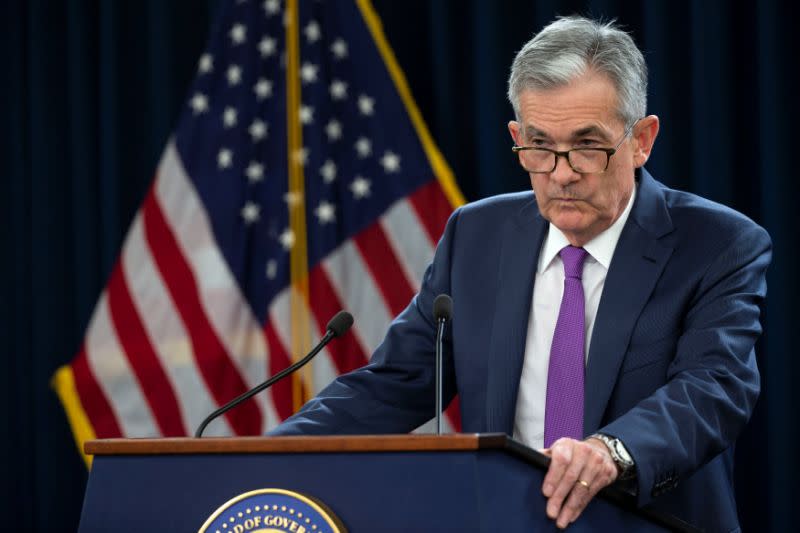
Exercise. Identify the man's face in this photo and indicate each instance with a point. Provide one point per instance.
(581, 114)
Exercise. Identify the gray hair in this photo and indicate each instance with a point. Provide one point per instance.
(572, 46)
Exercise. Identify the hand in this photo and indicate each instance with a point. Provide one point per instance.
(571, 463)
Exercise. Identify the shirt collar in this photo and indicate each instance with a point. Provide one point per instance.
(601, 248)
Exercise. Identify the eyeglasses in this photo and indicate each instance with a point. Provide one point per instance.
(536, 159)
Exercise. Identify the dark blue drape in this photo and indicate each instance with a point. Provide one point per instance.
(92, 88)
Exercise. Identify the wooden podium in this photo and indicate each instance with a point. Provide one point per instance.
(462, 482)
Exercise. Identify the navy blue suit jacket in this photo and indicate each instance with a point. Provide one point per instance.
(671, 368)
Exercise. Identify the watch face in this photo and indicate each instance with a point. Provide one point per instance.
(621, 452)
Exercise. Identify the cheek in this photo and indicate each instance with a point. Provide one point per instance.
(603, 196)
(539, 186)
(610, 199)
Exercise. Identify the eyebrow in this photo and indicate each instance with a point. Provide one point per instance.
(533, 131)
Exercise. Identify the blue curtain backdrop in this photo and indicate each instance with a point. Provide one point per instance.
(91, 90)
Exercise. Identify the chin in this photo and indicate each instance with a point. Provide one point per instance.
(570, 220)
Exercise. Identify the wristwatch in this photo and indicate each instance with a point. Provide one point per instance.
(619, 454)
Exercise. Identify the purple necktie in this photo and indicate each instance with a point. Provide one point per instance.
(564, 408)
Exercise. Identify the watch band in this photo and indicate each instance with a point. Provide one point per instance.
(619, 454)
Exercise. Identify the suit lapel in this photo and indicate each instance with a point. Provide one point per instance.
(638, 261)
(522, 238)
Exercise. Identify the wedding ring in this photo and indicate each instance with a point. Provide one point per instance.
(582, 483)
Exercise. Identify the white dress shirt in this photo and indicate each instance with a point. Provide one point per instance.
(548, 289)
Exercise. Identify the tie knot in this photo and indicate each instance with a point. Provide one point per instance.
(573, 259)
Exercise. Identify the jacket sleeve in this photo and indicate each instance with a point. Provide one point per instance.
(394, 393)
(712, 382)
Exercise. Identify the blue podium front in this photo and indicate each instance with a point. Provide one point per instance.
(371, 483)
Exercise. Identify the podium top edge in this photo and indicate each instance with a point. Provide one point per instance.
(316, 444)
(360, 444)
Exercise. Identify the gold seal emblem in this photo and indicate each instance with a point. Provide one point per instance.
(272, 511)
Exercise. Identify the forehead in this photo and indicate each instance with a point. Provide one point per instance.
(589, 101)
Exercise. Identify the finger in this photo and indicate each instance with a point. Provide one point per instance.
(570, 475)
(576, 502)
(598, 473)
(566, 484)
(583, 490)
(560, 456)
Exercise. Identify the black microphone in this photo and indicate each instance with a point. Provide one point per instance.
(442, 309)
(337, 327)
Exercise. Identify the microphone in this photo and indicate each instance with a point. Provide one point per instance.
(337, 327)
(442, 309)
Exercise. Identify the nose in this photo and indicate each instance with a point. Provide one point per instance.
(563, 174)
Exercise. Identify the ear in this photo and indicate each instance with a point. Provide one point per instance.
(514, 129)
(644, 136)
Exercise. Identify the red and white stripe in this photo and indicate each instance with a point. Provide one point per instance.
(414, 253)
(167, 334)
(226, 310)
(172, 338)
(280, 315)
(108, 364)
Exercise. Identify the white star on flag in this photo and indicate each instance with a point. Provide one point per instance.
(333, 130)
(292, 198)
(363, 147)
(272, 269)
(238, 34)
(366, 105)
(301, 155)
(272, 7)
(308, 73)
(198, 103)
(328, 171)
(325, 212)
(267, 47)
(338, 90)
(306, 114)
(339, 49)
(390, 162)
(360, 187)
(312, 31)
(251, 212)
(254, 172)
(234, 75)
(206, 64)
(257, 130)
(287, 239)
(262, 88)
(229, 117)
(224, 158)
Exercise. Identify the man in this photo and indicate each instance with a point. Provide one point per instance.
(605, 318)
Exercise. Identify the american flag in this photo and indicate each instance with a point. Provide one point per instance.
(300, 180)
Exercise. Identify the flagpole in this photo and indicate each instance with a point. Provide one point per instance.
(301, 334)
